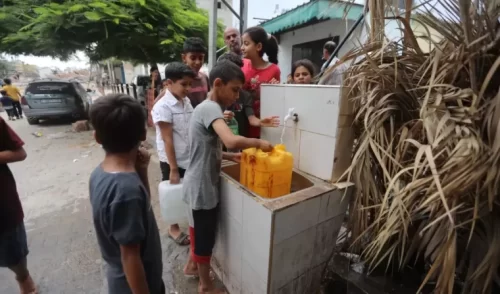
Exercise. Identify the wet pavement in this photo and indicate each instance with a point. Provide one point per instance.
(53, 184)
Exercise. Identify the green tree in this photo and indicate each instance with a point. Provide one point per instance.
(134, 30)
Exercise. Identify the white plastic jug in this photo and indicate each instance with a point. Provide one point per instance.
(173, 208)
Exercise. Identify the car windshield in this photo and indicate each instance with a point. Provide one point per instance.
(50, 88)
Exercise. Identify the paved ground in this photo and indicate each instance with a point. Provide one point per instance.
(53, 184)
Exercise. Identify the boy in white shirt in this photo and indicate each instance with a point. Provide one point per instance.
(171, 115)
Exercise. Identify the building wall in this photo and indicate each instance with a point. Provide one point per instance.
(326, 29)
(223, 14)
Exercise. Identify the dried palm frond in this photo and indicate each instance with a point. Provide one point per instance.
(426, 163)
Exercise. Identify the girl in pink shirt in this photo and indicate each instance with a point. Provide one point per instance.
(255, 42)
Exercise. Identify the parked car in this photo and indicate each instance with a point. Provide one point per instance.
(51, 98)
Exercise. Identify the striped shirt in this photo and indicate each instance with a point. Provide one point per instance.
(199, 89)
(170, 110)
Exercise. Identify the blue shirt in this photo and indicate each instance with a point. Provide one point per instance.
(123, 215)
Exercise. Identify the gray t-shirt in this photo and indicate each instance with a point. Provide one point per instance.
(123, 215)
(201, 181)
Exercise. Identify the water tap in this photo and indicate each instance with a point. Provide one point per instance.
(291, 115)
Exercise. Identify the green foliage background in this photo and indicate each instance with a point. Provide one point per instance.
(135, 30)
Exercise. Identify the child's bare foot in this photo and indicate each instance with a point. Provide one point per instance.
(27, 286)
(191, 269)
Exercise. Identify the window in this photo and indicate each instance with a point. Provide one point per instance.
(50, 88)
(312, 51)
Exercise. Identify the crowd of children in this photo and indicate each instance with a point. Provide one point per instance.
(191, 115)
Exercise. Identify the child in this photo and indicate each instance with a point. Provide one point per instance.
(120, 196)
(193, 55)
(207, 132)
(15, 94)
(155, 78)
(162, 92)
(302, 71)
(13, 242)
(257, 71)
(7, 104)
(171, 117)
(242, 109)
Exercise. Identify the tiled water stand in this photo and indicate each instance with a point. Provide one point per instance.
(283, 245)
(274, 246)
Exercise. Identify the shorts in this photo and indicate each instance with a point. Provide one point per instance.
(13, 246)
(202, 233)
(165, 171)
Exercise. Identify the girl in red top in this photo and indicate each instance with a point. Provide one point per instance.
(255, 42)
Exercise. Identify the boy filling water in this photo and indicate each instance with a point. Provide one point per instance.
(207, 132)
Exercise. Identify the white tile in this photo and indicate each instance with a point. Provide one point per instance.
(252, 284)
(272, 101)
(292, 257)
(333, 203)
(256, 236)
(316, 155)
(317, 108)
(227, 257)
(219, 252)
(326, 236)
(295, 219)
(233, 254)
(291, 139)
(232, 199)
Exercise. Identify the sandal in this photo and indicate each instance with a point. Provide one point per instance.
(181, 239)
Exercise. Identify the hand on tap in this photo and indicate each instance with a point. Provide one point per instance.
(272, 121)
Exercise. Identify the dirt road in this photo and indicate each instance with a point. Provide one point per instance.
(53, 184)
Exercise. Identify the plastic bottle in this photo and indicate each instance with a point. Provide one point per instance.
(233, 125)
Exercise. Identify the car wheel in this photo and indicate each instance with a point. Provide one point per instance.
(32, 120)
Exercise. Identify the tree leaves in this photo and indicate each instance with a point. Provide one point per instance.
(92, 15)
(135, 30)
(77, 7)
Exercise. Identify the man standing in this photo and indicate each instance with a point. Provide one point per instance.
(14, 93)
(232, 39)
(331, 76)
(328, 49)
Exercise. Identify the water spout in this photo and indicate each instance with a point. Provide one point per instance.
(290, 115)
